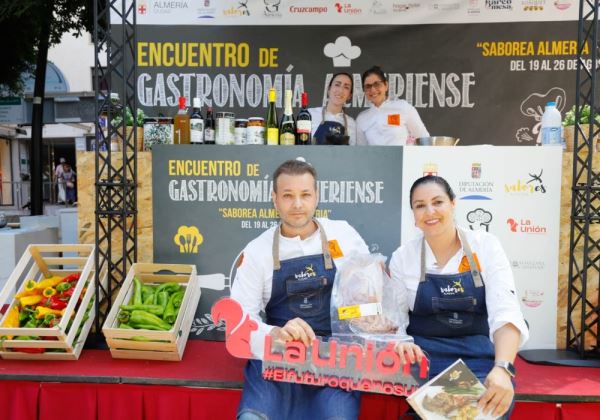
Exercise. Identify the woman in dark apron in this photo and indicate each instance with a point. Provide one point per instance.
(291, 298)
(452, 315)
(330, 124)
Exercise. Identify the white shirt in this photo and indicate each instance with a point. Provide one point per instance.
(390, 124)
(253, 280)
(317, 116)
(500, 293)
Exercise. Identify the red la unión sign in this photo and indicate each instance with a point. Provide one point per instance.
(350, 363)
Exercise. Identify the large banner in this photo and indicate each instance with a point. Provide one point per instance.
(479, 70)
(484, 83)
(210, 201)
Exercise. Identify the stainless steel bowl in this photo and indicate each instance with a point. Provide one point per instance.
(437, 141)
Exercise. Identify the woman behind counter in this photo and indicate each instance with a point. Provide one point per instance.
(330, 124)
(460, 295)
(388, 122)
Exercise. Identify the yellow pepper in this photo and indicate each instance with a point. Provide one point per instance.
(11, 320)
(42, 311)
(29, 289)
(30, 300)
(49, 291)
(49, 282)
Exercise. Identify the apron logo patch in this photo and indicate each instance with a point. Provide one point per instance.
(453, 289)
(334, 249)
(307, 273)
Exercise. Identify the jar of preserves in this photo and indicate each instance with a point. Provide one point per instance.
(224, 133)
(255, 133)
(240, 131)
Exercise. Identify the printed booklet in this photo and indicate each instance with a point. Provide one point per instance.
(452, 394)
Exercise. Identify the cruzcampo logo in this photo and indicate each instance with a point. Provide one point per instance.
(189, 239)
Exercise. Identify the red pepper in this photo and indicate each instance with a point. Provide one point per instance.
(71, 277)
(35, 350)
(66, 295)
(55, 302)
(32, 351)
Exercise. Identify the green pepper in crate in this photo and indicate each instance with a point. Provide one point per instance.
(162, 299)
(150, 298)
(146, 320)
(153, 309)
(170, 287)
(147, 291)
(178, 300)
(170, 314)
(123, 316)
(137, 292)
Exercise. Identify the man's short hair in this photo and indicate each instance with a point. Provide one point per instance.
(294, 167)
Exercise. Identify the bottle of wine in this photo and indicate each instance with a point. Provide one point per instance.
(209, 127)
(196, 123)
(181, 122)
(303, 124)
(287, 130)
(272, 125)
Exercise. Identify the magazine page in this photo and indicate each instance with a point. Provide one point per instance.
(452, 394)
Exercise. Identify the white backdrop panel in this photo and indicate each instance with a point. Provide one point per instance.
(514, 193)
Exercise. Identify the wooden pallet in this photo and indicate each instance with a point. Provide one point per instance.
(156, 345)
(37, 263)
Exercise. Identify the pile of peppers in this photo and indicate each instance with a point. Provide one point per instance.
(151, 307)
(41, 305)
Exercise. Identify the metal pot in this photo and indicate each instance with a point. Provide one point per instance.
(437, 141)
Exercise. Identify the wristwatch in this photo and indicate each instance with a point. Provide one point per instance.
(507, 366)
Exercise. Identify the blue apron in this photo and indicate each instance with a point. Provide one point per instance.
(301, 288)
(449, 318)
(331, 132)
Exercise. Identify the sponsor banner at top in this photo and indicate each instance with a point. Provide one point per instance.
(354, 12)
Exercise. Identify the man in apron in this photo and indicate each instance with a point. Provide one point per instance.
(287, 273)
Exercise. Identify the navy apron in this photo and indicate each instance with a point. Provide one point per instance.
(449, 318)
(301, 288)
(331, 132)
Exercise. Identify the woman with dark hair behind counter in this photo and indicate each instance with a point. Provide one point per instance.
(330, 124)
(388, 122)
(460, 295)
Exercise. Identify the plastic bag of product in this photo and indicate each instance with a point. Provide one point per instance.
(365, 300)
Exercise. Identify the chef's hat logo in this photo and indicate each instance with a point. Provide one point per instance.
(189, 239)
(341, 51)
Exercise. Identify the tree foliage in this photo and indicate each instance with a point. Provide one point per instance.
(20, 24)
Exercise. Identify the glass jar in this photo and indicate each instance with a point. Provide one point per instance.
(255, 132)
(225, 128)
(240, 131)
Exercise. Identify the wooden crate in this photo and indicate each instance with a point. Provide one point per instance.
(156, 345)
(38, 262)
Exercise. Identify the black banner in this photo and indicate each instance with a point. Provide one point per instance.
(210, 201)
(485, 83)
